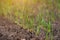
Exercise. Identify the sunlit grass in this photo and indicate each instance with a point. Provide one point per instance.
(32, 16)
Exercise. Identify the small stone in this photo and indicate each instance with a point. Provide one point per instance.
(23, 39)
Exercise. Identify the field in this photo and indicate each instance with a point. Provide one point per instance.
(42, 17)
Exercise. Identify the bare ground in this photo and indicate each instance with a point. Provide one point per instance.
(12, 31)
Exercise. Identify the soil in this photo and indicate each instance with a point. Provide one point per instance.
(56, 30)
(12, 31)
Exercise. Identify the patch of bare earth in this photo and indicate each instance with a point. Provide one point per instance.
(56, 30)
(12, 31)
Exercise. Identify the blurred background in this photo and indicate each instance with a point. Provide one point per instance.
(31, 14)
